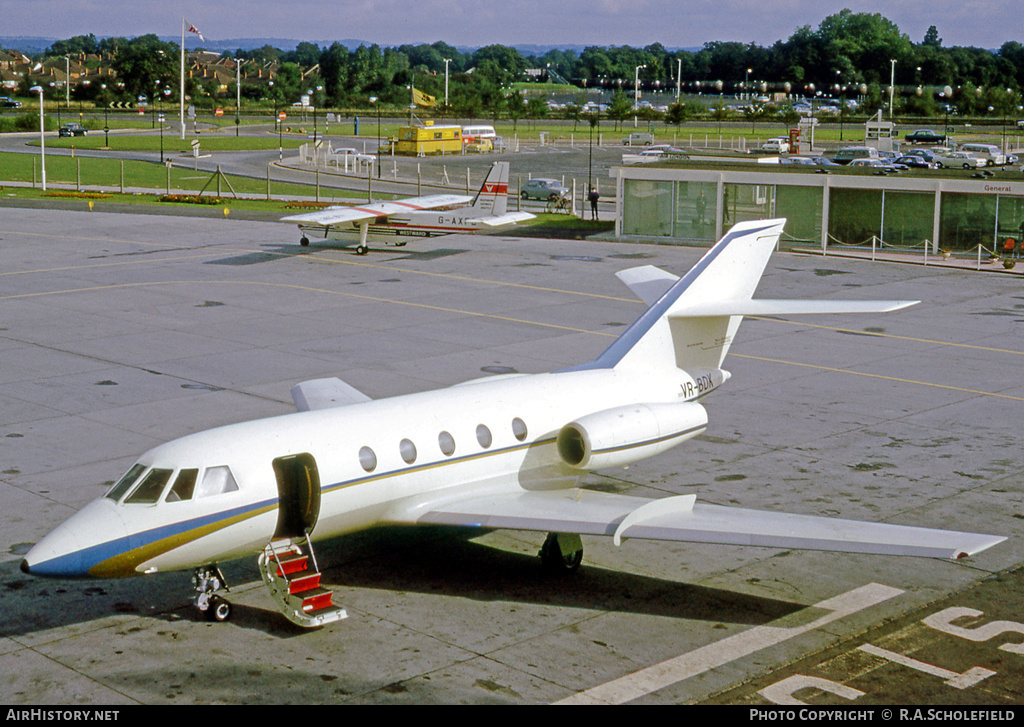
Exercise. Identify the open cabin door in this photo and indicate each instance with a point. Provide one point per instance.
(298, 492)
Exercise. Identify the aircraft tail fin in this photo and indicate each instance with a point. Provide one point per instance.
(692, 320)
(492, 199)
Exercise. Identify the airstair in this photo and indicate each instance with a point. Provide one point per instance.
(292, 576)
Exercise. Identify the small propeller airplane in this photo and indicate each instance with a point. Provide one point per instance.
(501, 452)
(436, 214)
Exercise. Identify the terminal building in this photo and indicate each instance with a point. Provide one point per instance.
(947, 210)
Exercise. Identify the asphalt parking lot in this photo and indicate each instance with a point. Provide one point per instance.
(122, 331)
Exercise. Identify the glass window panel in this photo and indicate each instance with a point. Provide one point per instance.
(217, 481)
(908, 218)
(447, 443)
(854, 216)
(648, 208)
(742, 202)
(118, 490)
(695, 211)
(408, 451)
(801, 206)
(184, 486)
(367, 459)
(1011, 223)
(148, 492)
(483, 435)
(519, 429)
(966, 221)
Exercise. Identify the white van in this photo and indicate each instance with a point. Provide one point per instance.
(848, 154)
(991, 152)
(639, 138)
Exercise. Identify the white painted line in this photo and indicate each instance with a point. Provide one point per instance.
(651, 679)
(958, 681)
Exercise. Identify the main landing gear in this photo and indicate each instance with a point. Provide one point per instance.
(562, 553)
(207, 581)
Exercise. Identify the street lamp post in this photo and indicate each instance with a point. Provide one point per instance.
(892, 86)
(446, 62)
(42, 128)
(636, 91)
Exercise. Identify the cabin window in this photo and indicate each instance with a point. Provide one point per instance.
(149, 491)
(447, 443)
(483, 435)
(117, 491)
(408, 451)
(519, 429)
(184, 486)
(367, 459)
(217, 481)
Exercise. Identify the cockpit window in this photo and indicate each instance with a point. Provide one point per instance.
(184, 486)
(117, 491)
(149, 491)
(216, 481)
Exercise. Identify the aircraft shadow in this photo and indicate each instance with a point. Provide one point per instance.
(439, 560)
(446, 561)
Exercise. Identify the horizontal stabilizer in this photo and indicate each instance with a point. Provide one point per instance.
(647, 282)
(325, 394)
(509, 218)
(700, 309)
(595, 513)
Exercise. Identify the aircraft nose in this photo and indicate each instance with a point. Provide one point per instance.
(92, 535)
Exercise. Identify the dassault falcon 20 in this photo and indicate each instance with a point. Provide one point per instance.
(436, 214)
(502, 452)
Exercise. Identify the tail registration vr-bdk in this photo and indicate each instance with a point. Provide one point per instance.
(503, 452)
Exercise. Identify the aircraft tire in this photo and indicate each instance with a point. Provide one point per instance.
(362, 250)
(552, 559)
(304, 242)
(219, 610)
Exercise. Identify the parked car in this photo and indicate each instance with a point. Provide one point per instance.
(639, 138)
(962, 159)
(354, 155)
(917, 162)
(9, 103)
(72, 130)
(989, 152)
(925, 136)
(545, 189)
(926, 154)
(778, 145)
(849, 153)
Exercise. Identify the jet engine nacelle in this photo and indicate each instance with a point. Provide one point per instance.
(626, 434)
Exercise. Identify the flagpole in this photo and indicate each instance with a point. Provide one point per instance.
(181, 97)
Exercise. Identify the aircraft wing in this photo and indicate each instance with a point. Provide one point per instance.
(376, 210)
(325, 394)
(680, 518)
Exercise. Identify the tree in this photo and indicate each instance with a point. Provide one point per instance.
(145, 63)
(931, 38)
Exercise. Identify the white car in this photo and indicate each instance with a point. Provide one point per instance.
(962, 159)
(355, 155)
(778, 145)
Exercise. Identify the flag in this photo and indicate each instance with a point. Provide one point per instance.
(421, 99)
(194, 29)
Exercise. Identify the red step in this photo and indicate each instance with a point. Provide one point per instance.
(316, 599)
(291, 564)
(305, 581)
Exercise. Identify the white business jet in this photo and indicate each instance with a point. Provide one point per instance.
(501, 452)
(436, 214)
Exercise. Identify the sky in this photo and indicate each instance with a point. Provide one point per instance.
(475, 23)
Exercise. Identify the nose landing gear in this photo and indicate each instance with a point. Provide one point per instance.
(207, 581)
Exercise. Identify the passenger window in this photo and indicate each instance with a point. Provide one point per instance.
(217, 481)
(184, 486)
(519, 429)
(117, 491)
(447, 443)
(408, 451)
(483, 435)
(152, 486)
(367, 459)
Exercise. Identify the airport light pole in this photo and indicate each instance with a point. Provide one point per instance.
(446, 62)
(636, 90)
(892, 86)
(42, 128)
